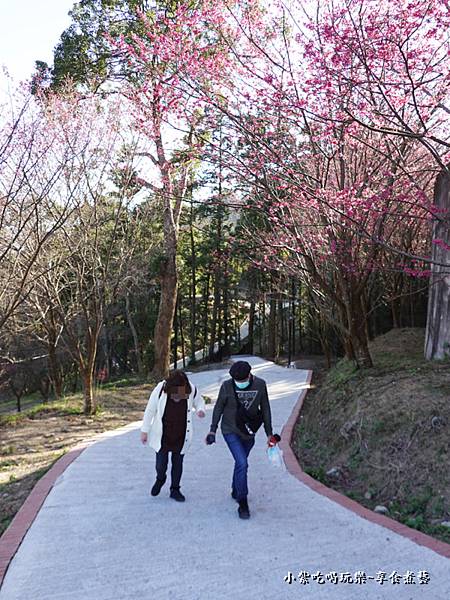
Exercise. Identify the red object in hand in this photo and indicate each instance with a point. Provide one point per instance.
(273, 440)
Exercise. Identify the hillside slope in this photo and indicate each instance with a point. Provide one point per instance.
(382, 435)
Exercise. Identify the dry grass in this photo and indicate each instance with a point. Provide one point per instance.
(31, 441)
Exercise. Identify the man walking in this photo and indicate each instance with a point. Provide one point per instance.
(243, 406)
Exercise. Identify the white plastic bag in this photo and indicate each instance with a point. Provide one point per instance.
(275, 457)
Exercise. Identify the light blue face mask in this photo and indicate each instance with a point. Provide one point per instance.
(242, 384)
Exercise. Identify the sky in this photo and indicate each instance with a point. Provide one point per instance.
(29, 30)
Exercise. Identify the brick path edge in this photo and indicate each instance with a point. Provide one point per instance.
(295, 469)
(14, 534)
(23, 519)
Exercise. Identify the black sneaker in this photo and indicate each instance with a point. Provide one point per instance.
(243, 509)
(177, 495)
(157, 486)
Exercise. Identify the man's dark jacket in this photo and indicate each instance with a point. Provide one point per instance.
(254, 399)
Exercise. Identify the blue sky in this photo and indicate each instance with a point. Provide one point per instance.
(29, 30)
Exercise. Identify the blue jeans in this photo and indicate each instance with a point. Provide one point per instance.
(240, 449)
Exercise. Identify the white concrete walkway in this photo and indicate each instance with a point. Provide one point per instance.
(101, 536)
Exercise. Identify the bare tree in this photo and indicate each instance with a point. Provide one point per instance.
(32, 166)
(81, 269)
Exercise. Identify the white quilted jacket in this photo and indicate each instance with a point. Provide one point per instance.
(152, 421)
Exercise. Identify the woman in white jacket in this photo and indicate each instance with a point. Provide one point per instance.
(167, 427)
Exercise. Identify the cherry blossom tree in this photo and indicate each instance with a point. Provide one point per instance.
(386, 66)
(321, 144)
(82, 268)
(32, 168)
(181, 47)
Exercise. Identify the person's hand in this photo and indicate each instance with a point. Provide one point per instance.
(210, 438)
(144, 437)
(272, 440)
(200, 414)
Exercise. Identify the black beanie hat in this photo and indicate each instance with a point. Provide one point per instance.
(240, 370)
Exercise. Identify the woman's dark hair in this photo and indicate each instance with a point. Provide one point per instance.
(176, 379)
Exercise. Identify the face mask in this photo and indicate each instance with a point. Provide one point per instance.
(242, 384)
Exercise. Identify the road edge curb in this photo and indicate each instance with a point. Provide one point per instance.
(13, 536)
(294, 468)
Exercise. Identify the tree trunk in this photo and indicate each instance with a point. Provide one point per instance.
(87, 368)
(281, 329)
(292, 318)
(180, 324)
(75, 380)
(366, 310)
(18, 393)
(88, 392)
(205, 314)
(106, 348)
(166, 313)
(395, 314)
(272, 328)
(238, 325)
(261, 325)
(402, 312)
(219, 339)
(437, 335)
(251, 327)
(215, 311)
(54, 371)
(356, 320)
(324, 343)
(300, 323)
(348, 348)
(137, 350)
(226, 328)
(175, 337)
(168, 275)
(193, 288)
(44, 387)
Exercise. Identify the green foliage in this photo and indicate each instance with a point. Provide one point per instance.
(317, 473)
(4, 464)
(353, 495)
(355, 458)
(84, 53)
(122, 382)
(62, 407)
(304, 437)
(378, 426)
(5, 519)
(342, 373)
(417, 511)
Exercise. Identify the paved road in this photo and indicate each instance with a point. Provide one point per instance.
(100, 536)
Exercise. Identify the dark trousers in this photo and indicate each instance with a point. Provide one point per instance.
(162, 460)
(240, 449)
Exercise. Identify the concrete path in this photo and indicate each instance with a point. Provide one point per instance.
(101, 536)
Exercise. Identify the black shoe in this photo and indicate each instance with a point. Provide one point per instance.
(243, 510)
(157, 486)
(177, 495)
